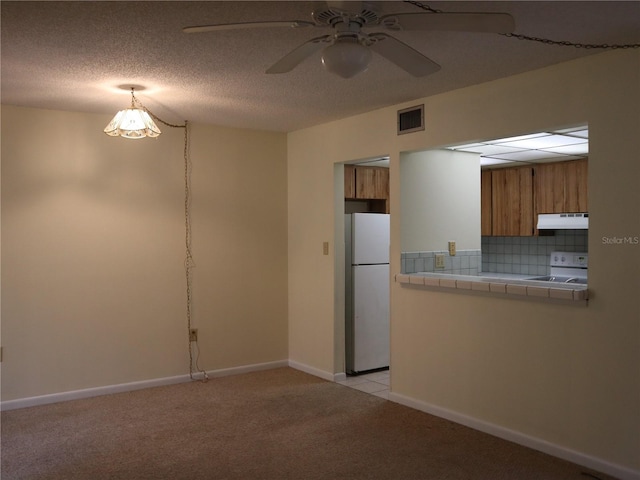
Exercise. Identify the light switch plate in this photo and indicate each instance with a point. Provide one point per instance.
(452, 248)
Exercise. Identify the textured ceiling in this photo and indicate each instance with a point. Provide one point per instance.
(74, 55)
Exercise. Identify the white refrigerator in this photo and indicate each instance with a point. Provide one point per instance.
(367, 238)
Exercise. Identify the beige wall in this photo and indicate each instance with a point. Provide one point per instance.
(93, 248)
(93, 251)
(440, 197)
(561, 374)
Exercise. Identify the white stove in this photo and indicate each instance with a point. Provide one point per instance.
(567, 267)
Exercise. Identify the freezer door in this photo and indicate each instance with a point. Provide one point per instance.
(370, 317)
(370, 240)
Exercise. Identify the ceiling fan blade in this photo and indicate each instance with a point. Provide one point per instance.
(461, 22)
(238, 26)
(293, 58)
(402, 55)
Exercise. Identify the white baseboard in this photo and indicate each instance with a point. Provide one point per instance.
(313, 371)
(128, 387)
(332, 377)
(224, 372)
(339, 377)
(618, 471)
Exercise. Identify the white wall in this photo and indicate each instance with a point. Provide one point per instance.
(440, 197)
(93, 248)
(566, 376)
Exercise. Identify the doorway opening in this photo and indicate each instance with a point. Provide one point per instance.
(366, 268)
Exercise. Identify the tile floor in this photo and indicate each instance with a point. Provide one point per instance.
(376, 383)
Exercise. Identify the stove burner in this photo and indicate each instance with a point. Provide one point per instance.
(559, 279)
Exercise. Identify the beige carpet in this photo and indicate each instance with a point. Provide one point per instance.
(273, 425)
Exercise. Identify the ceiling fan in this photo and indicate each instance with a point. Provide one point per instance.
(347, 51)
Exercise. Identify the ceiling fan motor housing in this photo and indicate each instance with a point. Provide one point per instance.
(348, 55)
(331, 17)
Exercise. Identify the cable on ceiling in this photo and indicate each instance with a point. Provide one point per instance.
(546, 41)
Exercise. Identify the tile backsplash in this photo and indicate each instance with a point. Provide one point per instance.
(522, 255)
(465, 262)
(529, 255)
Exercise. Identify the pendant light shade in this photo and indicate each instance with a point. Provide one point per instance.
(133, 122)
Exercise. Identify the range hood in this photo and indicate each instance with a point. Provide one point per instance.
(563, 221)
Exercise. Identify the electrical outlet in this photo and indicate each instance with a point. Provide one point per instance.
(193, 335)
(452, 248)
(325, 248)
(439, 260)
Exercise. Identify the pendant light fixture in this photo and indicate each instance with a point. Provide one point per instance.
(133, 122)
(138, 122)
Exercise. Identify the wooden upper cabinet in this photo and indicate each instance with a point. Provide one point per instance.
(512, 201)
(372, 182)
(349, 182)
(549, 188)
(576, 186)
(368, 183)
(512, 197)
(561, 187)
(485, 203)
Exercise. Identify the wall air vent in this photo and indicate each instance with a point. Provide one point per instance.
(411, 119)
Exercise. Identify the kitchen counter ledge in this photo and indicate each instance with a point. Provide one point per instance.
(512, 285)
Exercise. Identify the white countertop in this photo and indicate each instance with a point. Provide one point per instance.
(514, 276)
(497, 283)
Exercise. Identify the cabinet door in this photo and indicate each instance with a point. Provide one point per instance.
(576, 186)
(485, 203)
(512, 201)
(349, 181)
(561, 187)
(372, 182)
(550, 182)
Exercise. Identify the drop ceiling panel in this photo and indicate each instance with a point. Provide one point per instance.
(543, 141)
(577, 149)
(523, 155)
(559, 145)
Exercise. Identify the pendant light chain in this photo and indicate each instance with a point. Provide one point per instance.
(564, 43)
(188, 261)
(423, 6)
(546, 41)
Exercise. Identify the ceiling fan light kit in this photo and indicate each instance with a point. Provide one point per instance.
(348, 52)
(346, 57)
